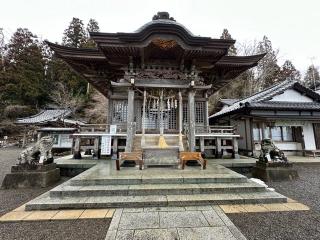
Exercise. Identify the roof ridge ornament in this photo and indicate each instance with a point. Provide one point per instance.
(163, 15)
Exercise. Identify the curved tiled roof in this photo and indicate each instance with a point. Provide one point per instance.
(45, 116)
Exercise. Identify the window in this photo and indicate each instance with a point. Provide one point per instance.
(55, 139)
(276, 133)
(199, 108)
(279, 133)
(287, 134)
(267, 132)
(256, 132)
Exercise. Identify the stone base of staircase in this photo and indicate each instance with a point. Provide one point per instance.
(104, 187)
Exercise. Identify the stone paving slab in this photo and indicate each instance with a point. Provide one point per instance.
(182, 219)
(140, 220)
(184, 223)
(270, 207)
(68, 214)
(206, 233)
(19, 214)
(155, 234)
(40, 215)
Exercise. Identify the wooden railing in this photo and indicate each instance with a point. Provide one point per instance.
(121, 128)
(216, 129)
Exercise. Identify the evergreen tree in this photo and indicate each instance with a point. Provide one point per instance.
(24, 80)
(232, 49)
(288, 71)
(75, 35)
(92, 26)
(312, 78)
(268, 69)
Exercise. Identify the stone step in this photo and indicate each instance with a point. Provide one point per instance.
(45, 202)
(154, 189)
(157, 179)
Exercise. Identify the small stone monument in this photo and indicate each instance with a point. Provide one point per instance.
(273, 165)
(34, 168)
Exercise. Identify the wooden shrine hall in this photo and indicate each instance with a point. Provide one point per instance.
(157, 81)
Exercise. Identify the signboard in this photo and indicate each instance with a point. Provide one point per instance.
(106, 141)
(105, 145)
(113, 129)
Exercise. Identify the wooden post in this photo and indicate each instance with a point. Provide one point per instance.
(115, 148)
(235, 153)
(263, 126)
(96, 148)
(77, 153)
(206, 112)
(130, 119)
(218, 147)
(161, 113)
(143, 140)
(181, 148)
(192, 130)
(202, 144)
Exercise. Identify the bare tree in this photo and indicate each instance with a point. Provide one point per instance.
(64, 98)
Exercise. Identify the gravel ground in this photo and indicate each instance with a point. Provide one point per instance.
(287, 225)
(13, 198)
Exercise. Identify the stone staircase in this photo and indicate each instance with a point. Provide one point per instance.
(103, 187)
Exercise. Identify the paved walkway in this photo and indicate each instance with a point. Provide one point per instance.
(170, 223)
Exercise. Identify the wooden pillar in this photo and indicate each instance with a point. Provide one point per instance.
(263, 126)
(235, 153)
(110, 111)
(202, 144)
(96, 148)
(76, 152)
(192, 120)
(218, 147)
(206, 112)
(181, 148)
(161, 114)
(115, 148)
(143, 140)
(130, 120)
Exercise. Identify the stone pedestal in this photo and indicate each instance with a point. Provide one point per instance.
(31, 176)
(269, 172)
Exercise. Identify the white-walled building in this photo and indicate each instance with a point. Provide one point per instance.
(288, 113)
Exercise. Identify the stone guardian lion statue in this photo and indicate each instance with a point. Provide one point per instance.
(39, 153)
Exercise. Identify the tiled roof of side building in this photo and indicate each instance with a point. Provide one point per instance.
(259, 98)
(45, 116)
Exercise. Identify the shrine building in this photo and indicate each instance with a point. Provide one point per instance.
(157, 81)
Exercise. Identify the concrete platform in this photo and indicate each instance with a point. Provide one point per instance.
(103, 187)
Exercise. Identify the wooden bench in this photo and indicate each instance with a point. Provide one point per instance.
(191, 156)
(129, 156)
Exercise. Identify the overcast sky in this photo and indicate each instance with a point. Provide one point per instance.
(292, 26)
